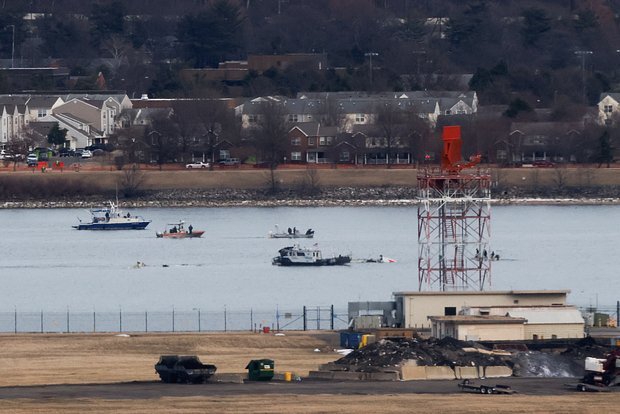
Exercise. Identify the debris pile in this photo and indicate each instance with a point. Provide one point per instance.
(567, 361)
(394, 352)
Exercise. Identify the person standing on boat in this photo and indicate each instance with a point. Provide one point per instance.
(190, 228)
(107, 216)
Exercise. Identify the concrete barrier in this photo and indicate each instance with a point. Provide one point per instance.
(330, 366)
(349, 376)
(325, 375)
(497, 371)
(466, 372)
(383, 376)
(412, 372)
(433, 373)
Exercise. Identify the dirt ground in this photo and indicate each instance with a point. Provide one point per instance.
(31, 359)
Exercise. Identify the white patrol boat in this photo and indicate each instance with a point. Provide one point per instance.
(298, 256)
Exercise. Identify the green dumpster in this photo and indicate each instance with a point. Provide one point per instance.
(260, 369)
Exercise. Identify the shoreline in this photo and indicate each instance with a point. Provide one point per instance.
(189, 203)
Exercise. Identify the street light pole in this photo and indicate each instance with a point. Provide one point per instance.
(370, 55)
(583, 54)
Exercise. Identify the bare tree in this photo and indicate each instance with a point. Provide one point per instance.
(162, 139)
(20, 145)
(560, 178)
(117, 46)
(271, 137)
(131, 181)
(391, 119)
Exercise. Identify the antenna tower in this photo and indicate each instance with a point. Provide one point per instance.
(454, 215)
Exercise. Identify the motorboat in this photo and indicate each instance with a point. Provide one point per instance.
(112, 218)
(298, 256)
(290, 234)
(178, 231)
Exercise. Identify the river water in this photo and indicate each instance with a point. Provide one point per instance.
(46, 264)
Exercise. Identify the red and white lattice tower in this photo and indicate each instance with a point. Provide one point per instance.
(454, 217)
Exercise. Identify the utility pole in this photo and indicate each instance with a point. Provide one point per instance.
(583, 54)
(370, 55)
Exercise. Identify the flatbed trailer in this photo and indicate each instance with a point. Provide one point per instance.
(585, 387)
(468, 386)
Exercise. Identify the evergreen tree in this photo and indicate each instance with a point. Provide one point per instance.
(57, 136)
(605, 154)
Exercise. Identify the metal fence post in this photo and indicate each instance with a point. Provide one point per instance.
(318, 318)
(68, 327)
(146, 321)
(305, 320)
(251, 319)
(198, 319)
(41, 320)
(332, 318)
(15, 320)
(277, 319)
(94, 321)
(120, 320)
(173, 319)
(225, 320)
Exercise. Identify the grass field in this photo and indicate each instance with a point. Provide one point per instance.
(95, 178)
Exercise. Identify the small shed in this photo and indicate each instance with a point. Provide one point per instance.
(478, 327)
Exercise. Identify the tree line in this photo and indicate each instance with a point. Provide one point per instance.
(528, 49)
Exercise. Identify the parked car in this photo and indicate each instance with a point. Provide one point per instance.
(4, 155)
(543, 164)
(230, 161)
(66, 152)
(87, 154)
(32, 159)
(198, 164)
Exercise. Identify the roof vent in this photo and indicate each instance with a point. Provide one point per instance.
(144, 96)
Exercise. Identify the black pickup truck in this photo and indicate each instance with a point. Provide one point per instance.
(187, 369)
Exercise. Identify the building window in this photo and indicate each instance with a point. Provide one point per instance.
(252, 119)
(295, 141)
(41, 113)
(311, 141)
(608, 109)
(448, 112)
(360, 118)
(449, 311)
(345, 156)
(325, 140)
(224, 154)
(292, 118)
(502, 154)
(296, 156)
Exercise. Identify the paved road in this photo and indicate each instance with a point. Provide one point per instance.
(149, 390)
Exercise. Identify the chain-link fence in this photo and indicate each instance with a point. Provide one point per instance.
(174, 320)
